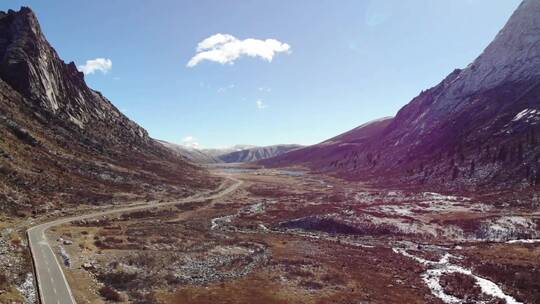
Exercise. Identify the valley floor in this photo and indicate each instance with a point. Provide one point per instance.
(289, 237)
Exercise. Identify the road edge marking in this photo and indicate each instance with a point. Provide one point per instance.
(62, 272)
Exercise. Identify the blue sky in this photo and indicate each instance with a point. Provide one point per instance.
(347, 62)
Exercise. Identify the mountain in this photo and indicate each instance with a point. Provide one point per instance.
(256, 153)
(319, 155)
(478, 128)
(361, 133)
(191, 154)
(221, 151)
(234, 154)
(64, 143)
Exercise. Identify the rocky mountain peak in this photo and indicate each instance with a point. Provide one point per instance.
(475, 110)
(23, 21)
(512, 57)
(30, 65)
(514, 54)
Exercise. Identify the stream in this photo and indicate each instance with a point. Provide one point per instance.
(435, 270)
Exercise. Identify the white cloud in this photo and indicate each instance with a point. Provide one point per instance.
(190, 142)
(225, 48)
(99, 64)
(212, 41)
(261, 105)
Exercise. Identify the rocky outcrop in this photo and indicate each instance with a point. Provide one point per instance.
(62, 142)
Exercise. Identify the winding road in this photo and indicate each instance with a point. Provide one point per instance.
(52, 283)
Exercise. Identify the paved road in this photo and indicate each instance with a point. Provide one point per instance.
(52, 284)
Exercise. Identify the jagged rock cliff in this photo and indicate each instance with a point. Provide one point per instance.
(62, 142)
(32, 68)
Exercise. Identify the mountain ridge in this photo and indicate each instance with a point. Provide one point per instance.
(462, 133)
(315, 156)
(64, 143)
(257, 153)
(234, 154)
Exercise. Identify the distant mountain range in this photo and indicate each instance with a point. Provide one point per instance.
(62, 142)
(234, 154)
(256, 153)
(191, 154)
(478, 129)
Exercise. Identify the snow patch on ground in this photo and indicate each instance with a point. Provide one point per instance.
(248, 210)
(440, 197)
(405, 227)
(509, 227)
(528, 115)
(218, 221)
(529, 241)
(401, 210)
